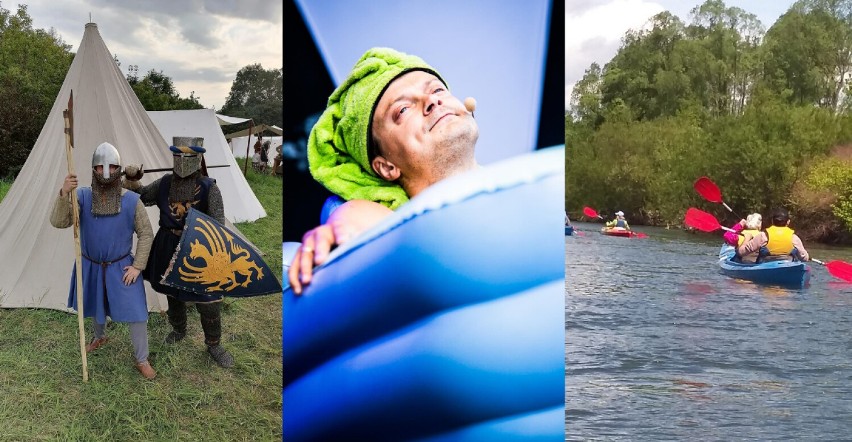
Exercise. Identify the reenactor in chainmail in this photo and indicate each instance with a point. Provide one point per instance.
(174, 194)
(109, 216)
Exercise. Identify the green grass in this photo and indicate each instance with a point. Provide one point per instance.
(43, 396)
(5, 184)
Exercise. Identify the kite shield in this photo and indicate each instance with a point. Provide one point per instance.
(212, 260)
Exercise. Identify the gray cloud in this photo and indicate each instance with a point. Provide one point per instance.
(265, 10)
(199, 30)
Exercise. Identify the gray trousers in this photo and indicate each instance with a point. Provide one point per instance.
(138, 336)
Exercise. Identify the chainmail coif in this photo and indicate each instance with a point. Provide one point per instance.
(106, 194)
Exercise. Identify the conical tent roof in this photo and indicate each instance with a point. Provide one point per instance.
(36, 258)
(240, 202)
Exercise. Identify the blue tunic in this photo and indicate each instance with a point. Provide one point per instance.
(106, 242)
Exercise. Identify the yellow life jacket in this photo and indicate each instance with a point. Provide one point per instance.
(746, 235)
(780, 240)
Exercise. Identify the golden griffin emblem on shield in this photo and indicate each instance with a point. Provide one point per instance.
(227, 264)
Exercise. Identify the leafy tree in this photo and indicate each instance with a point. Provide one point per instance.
(257, 93)
(33, 64)
(156, 92)
(809, 53)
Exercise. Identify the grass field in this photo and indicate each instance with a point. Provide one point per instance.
(43, 396)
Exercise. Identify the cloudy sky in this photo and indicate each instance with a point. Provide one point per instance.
(593, 28)
(200, 44)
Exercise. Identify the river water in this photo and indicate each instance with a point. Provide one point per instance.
(660, 346)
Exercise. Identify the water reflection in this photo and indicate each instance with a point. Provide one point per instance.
(659, 345)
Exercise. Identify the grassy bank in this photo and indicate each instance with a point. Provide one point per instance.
(44, 397)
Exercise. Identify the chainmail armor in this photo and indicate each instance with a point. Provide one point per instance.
(183, 189)
(215, 207)
(106, 194)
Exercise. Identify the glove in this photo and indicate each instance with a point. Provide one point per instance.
(133, 172)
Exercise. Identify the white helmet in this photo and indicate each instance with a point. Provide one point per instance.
(619, 213)
(105, 155)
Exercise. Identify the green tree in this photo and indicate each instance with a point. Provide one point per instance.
(156, 92)
(33, 64)
(809, 53)
(257, 93)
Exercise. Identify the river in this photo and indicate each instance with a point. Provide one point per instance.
(661, 346)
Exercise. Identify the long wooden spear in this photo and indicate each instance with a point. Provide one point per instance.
(75, 210)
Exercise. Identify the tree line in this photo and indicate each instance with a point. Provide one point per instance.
(33, 65)
(766, 114)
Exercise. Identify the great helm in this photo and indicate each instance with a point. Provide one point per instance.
(105, 155)
(187, 155)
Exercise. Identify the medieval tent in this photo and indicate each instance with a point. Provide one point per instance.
(35, 266)
(240, 202)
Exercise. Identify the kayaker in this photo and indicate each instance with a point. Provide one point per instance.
(752, 227)
(619, 222)
(733, 238)
(778, 242)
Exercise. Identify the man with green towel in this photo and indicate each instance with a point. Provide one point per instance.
(390, 130)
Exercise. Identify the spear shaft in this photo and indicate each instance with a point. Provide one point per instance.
(68, 115)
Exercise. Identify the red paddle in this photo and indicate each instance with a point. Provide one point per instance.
(839, 269)
(710, 191)
(703, 221)
(591, 213)
(708, 223)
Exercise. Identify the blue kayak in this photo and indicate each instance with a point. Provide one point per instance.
(784, 273)
(569, 230)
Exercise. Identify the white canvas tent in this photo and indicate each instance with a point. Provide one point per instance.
(240, 202)
(36, 258)
(225, 120)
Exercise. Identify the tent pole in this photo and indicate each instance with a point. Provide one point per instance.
(248, 144)
(75, 210)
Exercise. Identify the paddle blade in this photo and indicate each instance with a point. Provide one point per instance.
(840, 269)
(708, 189)
(588, 211)
(639, 235)
(701, 220)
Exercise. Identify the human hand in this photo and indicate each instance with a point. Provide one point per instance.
(130, 275)
(69, 185)
(316, 244)
(133, 172)
(743, 222)
(346, 222)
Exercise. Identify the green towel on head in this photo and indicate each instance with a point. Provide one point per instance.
(337, 147)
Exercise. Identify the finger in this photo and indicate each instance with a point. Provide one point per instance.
(306, 259)
(293, 274)
(325, 240)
